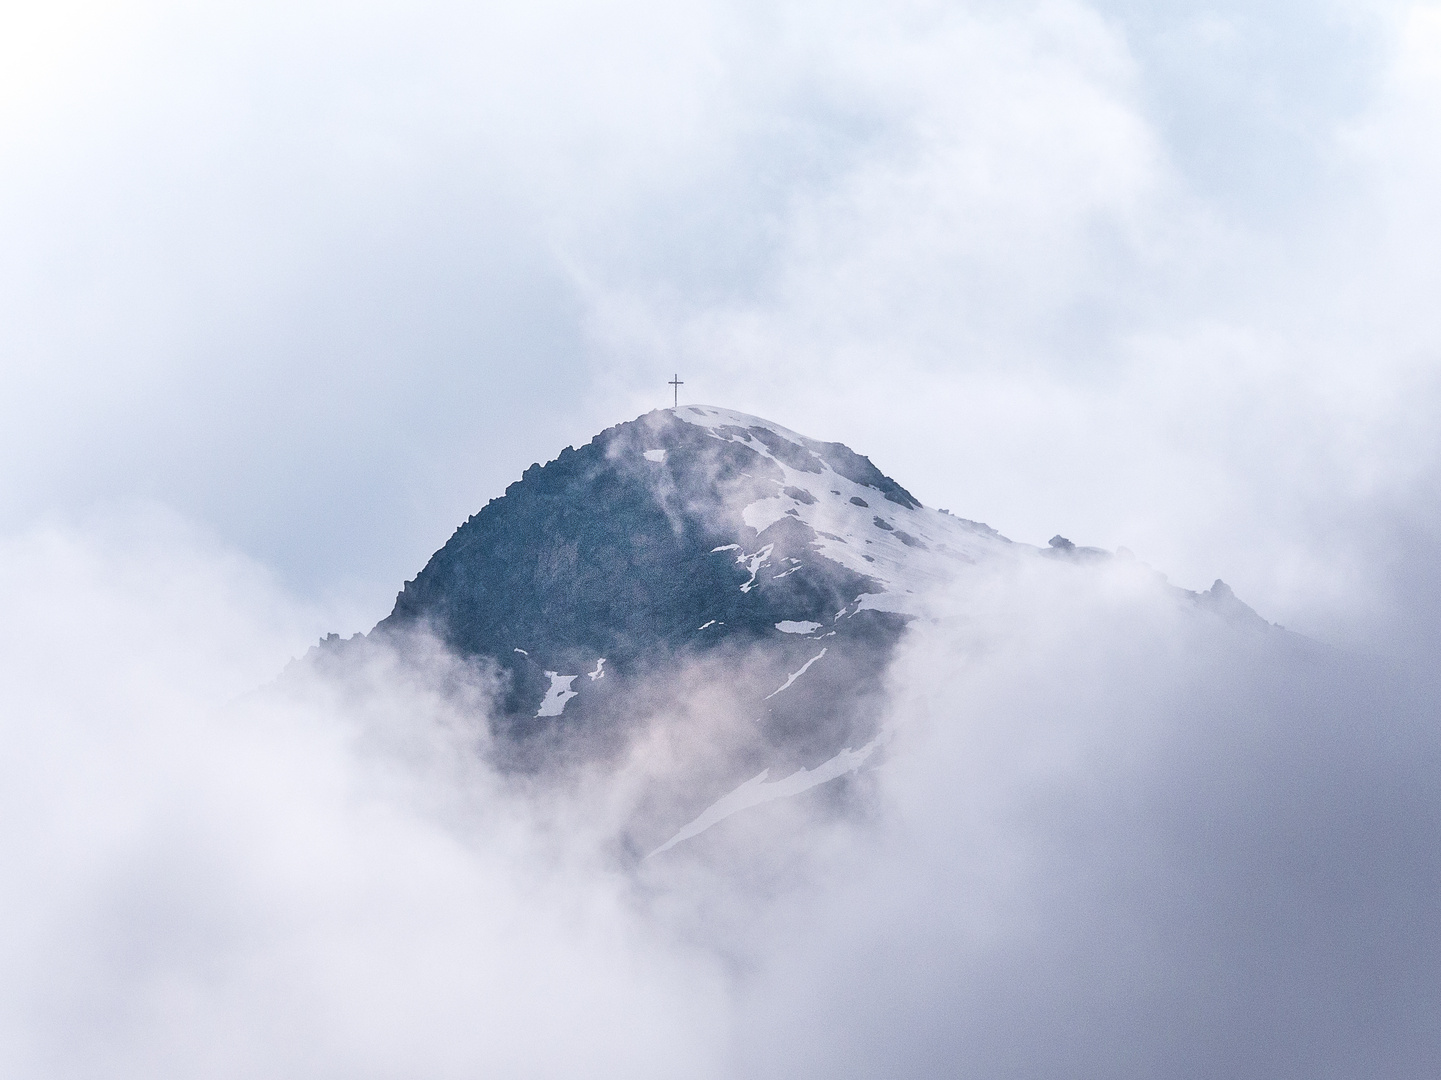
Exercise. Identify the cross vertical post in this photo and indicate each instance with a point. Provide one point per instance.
(675, 384)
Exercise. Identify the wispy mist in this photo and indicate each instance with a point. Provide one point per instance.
(317, 881)
(1114, 834)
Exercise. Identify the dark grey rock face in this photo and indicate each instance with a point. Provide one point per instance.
(621, 579)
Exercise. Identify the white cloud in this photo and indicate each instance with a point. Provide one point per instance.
(327, 280)
(309, 882)
(1113, 834)
(319, 278)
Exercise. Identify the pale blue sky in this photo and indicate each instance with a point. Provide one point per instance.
(325, 279)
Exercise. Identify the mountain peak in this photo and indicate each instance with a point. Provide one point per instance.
(699, 568)
(692, 537)
(679, 517)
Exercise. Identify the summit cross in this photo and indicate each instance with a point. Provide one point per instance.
(675, 384)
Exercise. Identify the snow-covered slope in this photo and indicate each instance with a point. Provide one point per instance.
(902, 546)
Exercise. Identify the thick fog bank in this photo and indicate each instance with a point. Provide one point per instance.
(1112, 834)
(202, 880)
(1125, 840)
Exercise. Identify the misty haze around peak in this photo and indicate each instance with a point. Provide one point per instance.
(1112, 834)
(302, 307)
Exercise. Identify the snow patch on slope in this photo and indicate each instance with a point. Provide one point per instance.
(754, 563)
(558, 694)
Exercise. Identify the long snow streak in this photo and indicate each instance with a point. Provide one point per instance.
(795, 675)
(756, 791)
